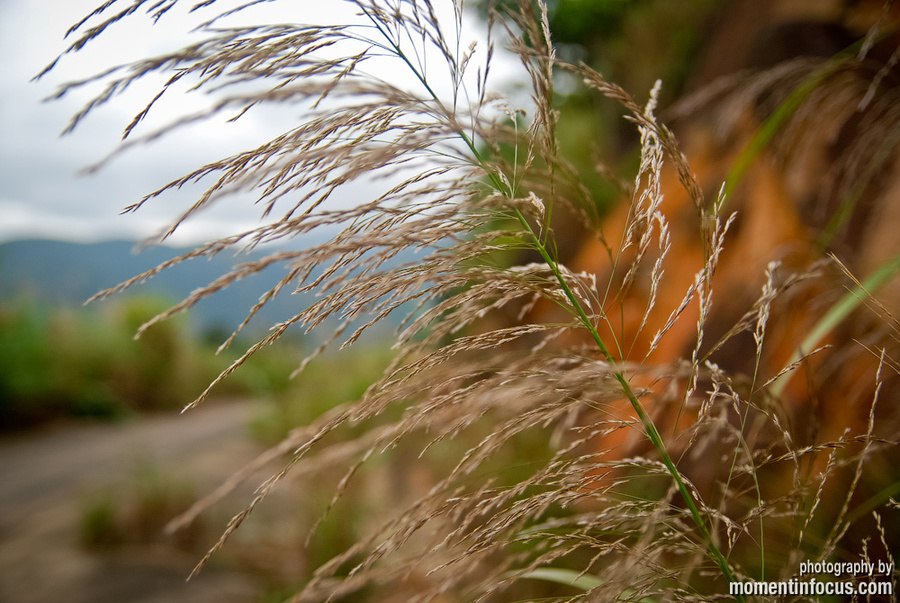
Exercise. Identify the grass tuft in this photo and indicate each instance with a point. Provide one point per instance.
(632, 425)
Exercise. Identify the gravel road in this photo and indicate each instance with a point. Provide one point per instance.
(47, 479)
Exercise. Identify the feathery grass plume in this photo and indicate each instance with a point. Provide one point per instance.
(568, 446)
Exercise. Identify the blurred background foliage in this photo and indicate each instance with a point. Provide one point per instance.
(57, 361)
(60, 362)
(632, 43)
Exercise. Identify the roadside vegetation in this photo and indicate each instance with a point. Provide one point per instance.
(85, 363)
(65, 362)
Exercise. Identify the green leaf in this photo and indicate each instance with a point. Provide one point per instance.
(579, 580)
(568, 577)
(837, 314)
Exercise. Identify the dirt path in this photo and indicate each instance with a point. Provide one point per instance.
(47, 480)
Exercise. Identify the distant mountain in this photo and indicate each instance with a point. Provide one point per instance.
(67, 274)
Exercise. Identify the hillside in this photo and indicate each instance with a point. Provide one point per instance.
(66, 274)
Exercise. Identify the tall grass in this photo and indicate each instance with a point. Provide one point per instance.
(622, 501)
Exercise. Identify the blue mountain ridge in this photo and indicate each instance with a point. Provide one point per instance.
(67, 274)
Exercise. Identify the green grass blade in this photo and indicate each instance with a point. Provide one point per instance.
(585, 582)
(849, 302)
(771, 126)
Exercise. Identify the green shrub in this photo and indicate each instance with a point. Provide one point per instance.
(57, 362)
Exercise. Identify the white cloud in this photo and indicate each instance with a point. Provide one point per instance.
(40, 192)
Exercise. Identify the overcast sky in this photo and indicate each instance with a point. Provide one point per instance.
(41, 193)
